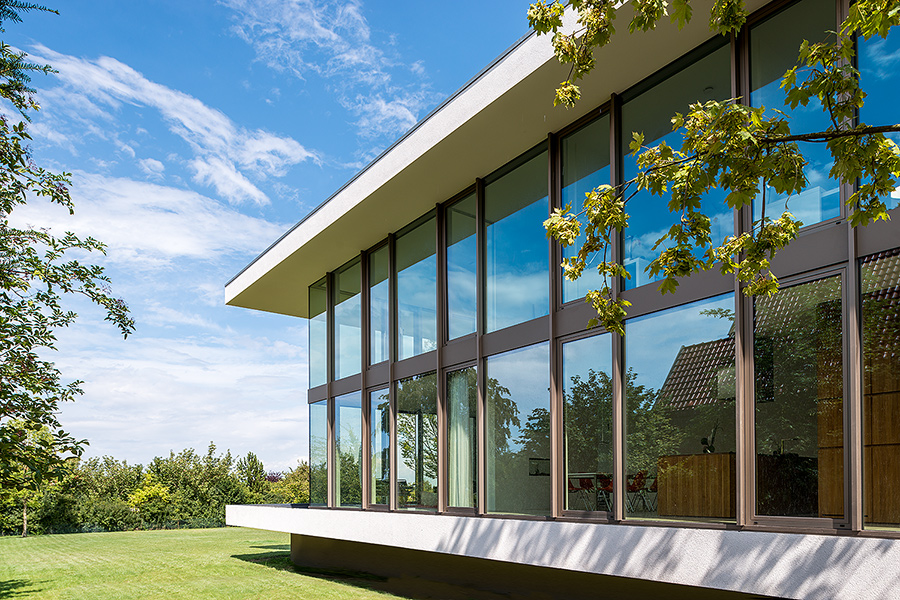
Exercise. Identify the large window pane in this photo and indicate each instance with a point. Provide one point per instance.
(380, 418)
(798, 356)
(462, 437)
(881, 389)
(879, 66)
(417, 443)
(709, 78)
(379, 305)
(348, 449)
(515, 209)
(318, 453)
(461, 278)
(416, 290)
(774, 46)
(518, 431)
(680, 412)
(585, 165)
(347, 339)
(587, 422)
(318, 334)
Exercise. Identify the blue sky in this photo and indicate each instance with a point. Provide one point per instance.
(196, 133)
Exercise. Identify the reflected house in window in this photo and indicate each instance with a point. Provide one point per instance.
(465, 426)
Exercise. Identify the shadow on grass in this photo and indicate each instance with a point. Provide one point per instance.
(17, 588)
(281, 561)
(285, 547)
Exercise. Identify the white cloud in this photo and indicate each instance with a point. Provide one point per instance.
(91, 89)
(332, 39)
(151, 167)
(150, 225)
(147, 396)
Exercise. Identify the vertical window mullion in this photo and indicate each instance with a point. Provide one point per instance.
(481, 506)
(618, 348)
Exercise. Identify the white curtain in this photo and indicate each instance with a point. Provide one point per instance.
(462, 438)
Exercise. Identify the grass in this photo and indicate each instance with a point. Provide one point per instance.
(224, 564)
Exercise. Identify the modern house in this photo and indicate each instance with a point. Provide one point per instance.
(466, 425)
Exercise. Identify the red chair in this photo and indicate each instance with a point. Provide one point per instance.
(635, 490)
(582, 487)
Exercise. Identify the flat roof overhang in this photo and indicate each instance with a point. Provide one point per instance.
(502, 112)
(784, 565)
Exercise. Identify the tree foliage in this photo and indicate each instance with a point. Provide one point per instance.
(738, 149)
(36, 273)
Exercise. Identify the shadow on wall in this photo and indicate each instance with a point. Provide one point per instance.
(784, 565)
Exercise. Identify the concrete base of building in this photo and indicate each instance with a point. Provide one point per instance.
(434, 575)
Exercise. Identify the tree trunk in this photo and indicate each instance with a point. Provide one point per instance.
(25, 518)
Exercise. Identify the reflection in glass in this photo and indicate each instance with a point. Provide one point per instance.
(709, 78)
(879, 65)
(680, 412)
(381, 446)
(585, 165)
(881, 388)
(417, 441)
(774, 45)
(318, 453)
(379, 306)
(587, 423)
(518, 431)
(462, 437)
(461, 267)
(516, 207)
(798, 359)
(416, 290)
(318, 334)
(347, 339)
(348, 449)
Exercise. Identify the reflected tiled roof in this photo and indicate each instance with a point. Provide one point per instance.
(698, 373)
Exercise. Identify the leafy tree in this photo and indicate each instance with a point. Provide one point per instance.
(252, 473)
(152, 500)
(36, 273)
(738, 149)
(294, 487)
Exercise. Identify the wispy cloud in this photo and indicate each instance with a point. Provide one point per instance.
(331, 39)
(224, 153)
(150, 225)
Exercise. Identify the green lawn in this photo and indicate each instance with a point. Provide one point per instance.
(227, 564)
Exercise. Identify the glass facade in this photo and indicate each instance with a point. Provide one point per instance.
(379, 305)
(461, 271)
(774, 44)
(515, 208)
(348, 449)
(318, 453)
(585, 165)
(416, 290)
(417, 440)
(510, 406)
(462, 438)
(318, 334)
(880, 276)
(380, 423)
(587, 423)
(517, 415)
(347, 321)
(680, 412)
(708, 78)
(798, 359)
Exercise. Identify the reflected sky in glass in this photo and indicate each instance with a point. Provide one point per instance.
(585, 165)
(318, 334)
(348, 449)
(774, 45)
(347, 321)
(516, 207)
(416, 291)
(318, 453)
(380, 446)
(709, 78)
(379, 307)
(461, 262)
(879, 65)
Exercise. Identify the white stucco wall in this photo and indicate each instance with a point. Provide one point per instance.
(776, 564)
